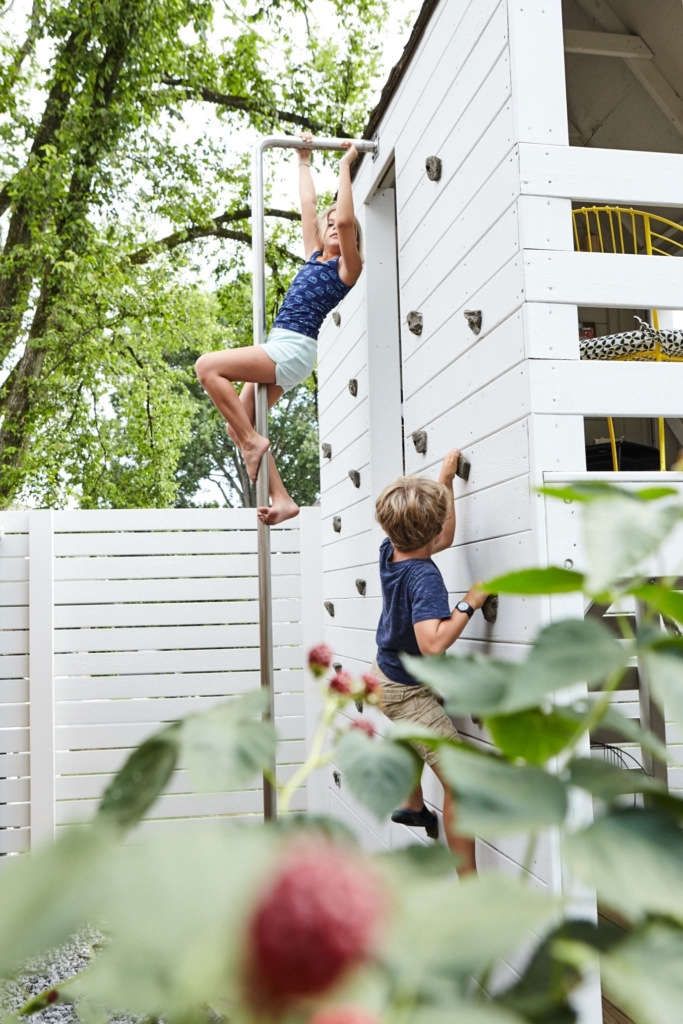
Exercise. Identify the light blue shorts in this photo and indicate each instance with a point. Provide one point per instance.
(294, 356)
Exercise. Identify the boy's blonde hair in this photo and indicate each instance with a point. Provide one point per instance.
(412, 511)
(322, 225)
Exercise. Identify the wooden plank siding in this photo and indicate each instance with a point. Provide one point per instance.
(154, 616)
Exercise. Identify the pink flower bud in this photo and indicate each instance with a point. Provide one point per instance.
(316, 920)
(341, 682)
(373, 688)
(344, 1015)
(319, 659)
(363, 726)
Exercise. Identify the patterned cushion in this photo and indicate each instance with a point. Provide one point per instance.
(629, 343)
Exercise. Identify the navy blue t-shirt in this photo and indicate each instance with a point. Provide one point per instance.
(413, 590)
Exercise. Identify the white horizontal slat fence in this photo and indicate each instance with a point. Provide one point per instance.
(114, 623)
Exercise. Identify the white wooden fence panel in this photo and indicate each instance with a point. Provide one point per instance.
(154, 615)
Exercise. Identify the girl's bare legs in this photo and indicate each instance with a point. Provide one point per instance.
(216, 371)
(281, 506)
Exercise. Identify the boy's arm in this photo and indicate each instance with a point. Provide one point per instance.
(350, 264)
(448, 468)
(307, 201)
(434, 636)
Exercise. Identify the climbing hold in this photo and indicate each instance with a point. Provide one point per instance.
(359, 706)
(433, 166)
(336, 524)
(353, 386)
(327, 450)
(336, 777)
(420, 441)
(463, 468)
(489, 609)
(354, 477)
(473, 317)
(329, 608)
(337, 666)
(360, 587)
(336, 318)
(414, 321)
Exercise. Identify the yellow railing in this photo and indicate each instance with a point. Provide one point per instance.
(623, 230)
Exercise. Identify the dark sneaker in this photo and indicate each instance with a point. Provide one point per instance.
(425, 819)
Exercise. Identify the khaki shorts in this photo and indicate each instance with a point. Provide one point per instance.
(415, 704)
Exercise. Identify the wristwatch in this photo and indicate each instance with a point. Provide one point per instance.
(463, 606)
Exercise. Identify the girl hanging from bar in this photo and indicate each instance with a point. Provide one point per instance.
(333, 264)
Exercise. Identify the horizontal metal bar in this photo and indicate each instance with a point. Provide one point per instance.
(295, 142)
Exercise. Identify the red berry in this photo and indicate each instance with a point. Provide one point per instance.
(315, 921)
(319, 659)
(341, 682)
(363, 726)
(52, 996)
(344, 1015)
(373, 688)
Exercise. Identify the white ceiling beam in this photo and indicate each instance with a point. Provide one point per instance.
(606, 44)
(646, 72)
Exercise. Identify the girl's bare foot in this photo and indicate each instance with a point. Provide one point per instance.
(252, 454)
(278, 512)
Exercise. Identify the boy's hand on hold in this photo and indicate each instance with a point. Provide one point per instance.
(450, 464)
(475, 597)
(351, 153)
(305, 154)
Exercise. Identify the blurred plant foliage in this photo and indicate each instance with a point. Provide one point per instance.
(124, 219)
(178, 910)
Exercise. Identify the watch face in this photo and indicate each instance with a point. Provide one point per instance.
(462, 606)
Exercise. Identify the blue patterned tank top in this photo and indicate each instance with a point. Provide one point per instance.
(315, 290)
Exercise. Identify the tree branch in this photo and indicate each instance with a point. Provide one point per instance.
(214, 229)
(222, 99)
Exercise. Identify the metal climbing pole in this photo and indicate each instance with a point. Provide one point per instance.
(259, 325)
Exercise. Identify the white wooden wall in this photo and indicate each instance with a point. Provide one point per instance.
(115, 622)
(485, 92)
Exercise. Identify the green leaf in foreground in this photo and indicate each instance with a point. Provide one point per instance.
(621, 533)
(643, 975)
(565, 653)
(140, 781)
(663, 661)
(463, 928)
(495, 797)
(225, 747)
(551, 580)
(534, 735)
(634, 859)
(588, 491)
(379, 773)
(664, 600)
(607, 782)
(629, 729)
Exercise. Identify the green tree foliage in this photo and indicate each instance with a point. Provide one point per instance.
(118, 200)
(200, 924)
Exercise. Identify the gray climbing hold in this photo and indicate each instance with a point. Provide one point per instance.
(473, 317)
(336, 524)
(326, 450)
(420, 441)
(336, 318)
(489, 609)
(415, 322)
(329, 608)
(433, 167)
(354, 477)
(353, 386)
(361, 587)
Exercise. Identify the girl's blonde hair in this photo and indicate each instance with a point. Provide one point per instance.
(322, 225)
(412, 511)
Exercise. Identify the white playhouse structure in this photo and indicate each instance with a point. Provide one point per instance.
(525, 201)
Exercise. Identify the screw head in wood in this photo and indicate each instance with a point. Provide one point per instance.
(415, 322)
(353, 386)
(419, 438)
(433, 167)
(354, 477)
